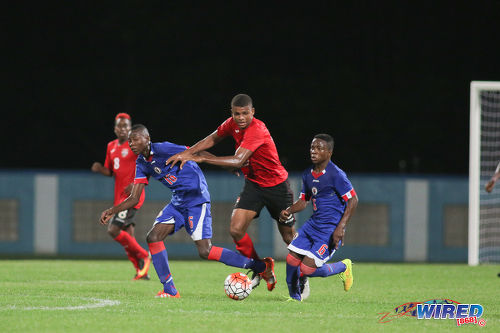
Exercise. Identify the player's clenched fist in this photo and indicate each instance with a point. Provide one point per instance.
(106, 216)
(284, 215)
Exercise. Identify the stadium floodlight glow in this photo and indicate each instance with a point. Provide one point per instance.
(484, 156)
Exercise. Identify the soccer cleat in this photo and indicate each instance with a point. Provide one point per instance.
(144, 277)
(143, 268)
(347, 276)
(268, 273)
(304, 287)
(163, 294)
(255, 279)
(293, 299)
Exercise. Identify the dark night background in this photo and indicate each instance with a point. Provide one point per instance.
(389, 80)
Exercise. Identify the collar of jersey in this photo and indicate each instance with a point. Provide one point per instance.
(317, 175)
(151, 153)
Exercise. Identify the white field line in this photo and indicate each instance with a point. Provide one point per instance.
(97, 303)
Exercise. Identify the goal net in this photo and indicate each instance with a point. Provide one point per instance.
(484, 156)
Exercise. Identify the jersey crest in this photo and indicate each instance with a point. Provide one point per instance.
(314, 190)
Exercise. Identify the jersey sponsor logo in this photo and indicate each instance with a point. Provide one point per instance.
(124, 152)
(315, 180)
(157, 170)
(314, 190)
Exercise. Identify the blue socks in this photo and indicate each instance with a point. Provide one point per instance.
(329, 269)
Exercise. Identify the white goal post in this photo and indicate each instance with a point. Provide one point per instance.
(484, 156)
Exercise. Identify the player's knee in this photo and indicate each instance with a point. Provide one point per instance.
(203, 253)
(236, 232)
(287, 237)
(153, 237)
(113, 231)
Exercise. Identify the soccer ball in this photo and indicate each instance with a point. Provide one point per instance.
(237, 286)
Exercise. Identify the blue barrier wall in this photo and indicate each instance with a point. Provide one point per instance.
(392, 192)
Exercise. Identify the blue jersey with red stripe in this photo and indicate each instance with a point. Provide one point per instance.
(189, 187)
(329, 191)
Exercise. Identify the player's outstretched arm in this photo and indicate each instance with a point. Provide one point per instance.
(236, 161)
(188, 154)
(338, 234)
(99, 168)
(128, 203)
(297, 206)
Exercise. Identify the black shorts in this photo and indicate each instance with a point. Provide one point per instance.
(274, 198)
(125, 218)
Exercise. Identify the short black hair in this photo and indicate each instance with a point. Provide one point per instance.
(139, 128)
(241, 100)
(327, 138)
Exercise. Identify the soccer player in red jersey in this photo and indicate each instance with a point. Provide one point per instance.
(266, 181)
(120, 163)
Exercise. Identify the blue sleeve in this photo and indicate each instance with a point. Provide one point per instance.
(305, 194)
(342, 184)
(141, 176)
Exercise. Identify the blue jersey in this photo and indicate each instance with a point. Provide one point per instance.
(189, 187)
(329, 192)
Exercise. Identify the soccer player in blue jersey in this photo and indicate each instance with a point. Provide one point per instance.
(334, 201)
(189, 208)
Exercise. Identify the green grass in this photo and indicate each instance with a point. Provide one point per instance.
(55, 295)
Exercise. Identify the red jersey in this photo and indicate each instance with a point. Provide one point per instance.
(264, 166)
(120, 159)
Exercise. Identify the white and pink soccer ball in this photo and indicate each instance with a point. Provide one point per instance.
(237, 286)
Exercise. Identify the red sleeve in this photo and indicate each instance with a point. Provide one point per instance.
(225, 128)
(141, 181)
(253, 138)
(107, 161)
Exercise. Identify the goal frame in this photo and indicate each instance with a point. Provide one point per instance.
(475, 165)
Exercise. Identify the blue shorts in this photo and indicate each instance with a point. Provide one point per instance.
(197, 220)
(312, 243)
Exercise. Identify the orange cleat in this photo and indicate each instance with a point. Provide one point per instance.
(142, 272)
(268, 273)
(162, 294)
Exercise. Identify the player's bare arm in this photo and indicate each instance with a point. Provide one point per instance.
(338, 234)
(236, 161)
(128, 203)
(188, 154)
(99, 168)
(297, 206)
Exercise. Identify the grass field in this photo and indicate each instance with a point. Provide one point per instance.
(99, 296)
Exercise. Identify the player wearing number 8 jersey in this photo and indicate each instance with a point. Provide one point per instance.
(334, 201)
(120, 163)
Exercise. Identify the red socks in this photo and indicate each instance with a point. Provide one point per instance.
(132, 248)
(245, 247)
